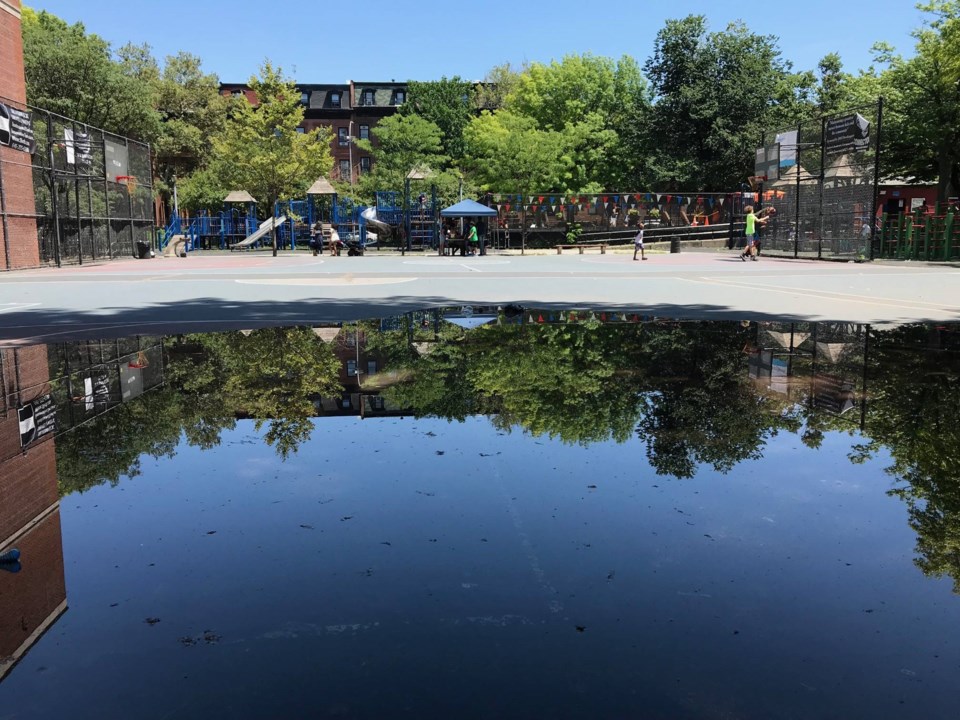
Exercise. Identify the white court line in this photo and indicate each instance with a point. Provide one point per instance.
(826, 294)
(16, 306)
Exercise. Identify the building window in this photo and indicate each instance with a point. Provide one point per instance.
(371, 367)
(301, 130)
(343, 137)
(376, 403)
(368, 98)
(344, 169)
(346, 403)
(351, 368)
(304, 98)
(364, 132)
(365, 164)
(237, 93)
(399, 97)
(334, 99)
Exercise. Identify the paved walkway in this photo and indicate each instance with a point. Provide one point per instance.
(252, 290)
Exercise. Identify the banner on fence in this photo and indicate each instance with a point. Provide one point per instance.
(847, 134)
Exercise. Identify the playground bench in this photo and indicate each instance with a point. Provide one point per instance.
(583, 246)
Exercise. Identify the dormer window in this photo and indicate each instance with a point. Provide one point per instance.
(368, 97)
(399, 97)
(335, 99)
(304, 98)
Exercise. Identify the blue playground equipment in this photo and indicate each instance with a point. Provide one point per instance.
(237, 220)
(415, 210)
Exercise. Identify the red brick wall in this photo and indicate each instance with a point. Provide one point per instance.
(28, 481)
(22, 245)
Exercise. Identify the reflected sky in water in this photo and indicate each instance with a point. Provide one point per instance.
(408, 565)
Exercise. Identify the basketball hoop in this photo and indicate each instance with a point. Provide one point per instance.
(140, 362)
(756, 181)
(130, 181)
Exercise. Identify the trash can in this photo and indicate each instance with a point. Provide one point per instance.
(675, 245)
(143, 250)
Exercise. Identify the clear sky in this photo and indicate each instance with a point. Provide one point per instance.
(324, 41)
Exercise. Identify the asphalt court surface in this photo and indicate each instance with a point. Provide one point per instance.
(247, 290)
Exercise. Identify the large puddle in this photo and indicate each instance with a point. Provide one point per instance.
(484, 513)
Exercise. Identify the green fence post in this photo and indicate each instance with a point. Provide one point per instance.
(948, 236)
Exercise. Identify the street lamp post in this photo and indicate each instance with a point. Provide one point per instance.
(350, 140)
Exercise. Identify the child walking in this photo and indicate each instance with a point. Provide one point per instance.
(638, 243)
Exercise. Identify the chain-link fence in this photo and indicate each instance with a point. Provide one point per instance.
(92, 191)
(821, 181)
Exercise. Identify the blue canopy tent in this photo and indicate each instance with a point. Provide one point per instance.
(470, 209)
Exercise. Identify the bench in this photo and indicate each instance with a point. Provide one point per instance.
(583, 246)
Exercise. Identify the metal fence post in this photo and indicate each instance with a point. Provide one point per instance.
(876, 179)
(823, 154)
(796, 223)
(3, 214)
(53, 192)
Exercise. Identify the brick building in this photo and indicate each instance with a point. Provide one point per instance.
(18, 231)
(350, 110)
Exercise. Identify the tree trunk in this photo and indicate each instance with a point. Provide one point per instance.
(273, 233)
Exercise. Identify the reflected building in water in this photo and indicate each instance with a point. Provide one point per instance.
(48, 390)
(32, 592)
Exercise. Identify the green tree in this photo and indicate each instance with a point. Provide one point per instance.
(405, 142)
(922, 125)
(589, 100)
(714, 94)
(74, 73)
(262, 151)
(497, 85)
(509, 152)
(447, 103)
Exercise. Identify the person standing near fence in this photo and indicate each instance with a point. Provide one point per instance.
(638, 243)
(750, 231)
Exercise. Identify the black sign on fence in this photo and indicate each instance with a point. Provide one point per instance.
(16, 129)
(37, 419)
(850, 133)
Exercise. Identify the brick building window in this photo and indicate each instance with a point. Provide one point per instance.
(399, 97)
(364, 132)
(368, 97)
(365, 164)
(342, 136)
(334, 99)
(344, 169)
(304, 98)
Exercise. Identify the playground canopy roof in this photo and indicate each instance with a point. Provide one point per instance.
(468, 208)
(239, 196)
(322, 186)
(789, 177)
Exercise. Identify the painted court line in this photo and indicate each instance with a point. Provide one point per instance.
(6, 307)
(826, 294)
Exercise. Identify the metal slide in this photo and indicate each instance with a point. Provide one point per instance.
(265, 228)
(383, 229)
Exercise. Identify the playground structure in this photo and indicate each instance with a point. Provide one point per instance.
(921, 235)
(238, 227)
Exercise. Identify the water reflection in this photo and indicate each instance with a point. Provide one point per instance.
(698, 399)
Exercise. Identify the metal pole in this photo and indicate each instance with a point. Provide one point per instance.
(796, 218)
(823, 151)
(76, 197)
(53, 190)
(350, 148)
(106, 195)
(876, 179)
(133, 240)
(6, 227)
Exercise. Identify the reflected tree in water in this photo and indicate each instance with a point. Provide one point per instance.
(699, 405)
(210, 380)
(913, 413)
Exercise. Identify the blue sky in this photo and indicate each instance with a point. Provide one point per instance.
(324, 41)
